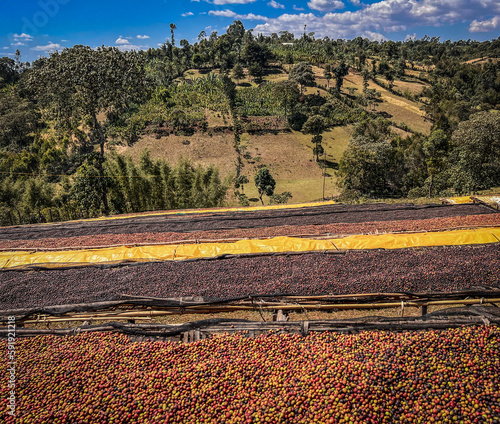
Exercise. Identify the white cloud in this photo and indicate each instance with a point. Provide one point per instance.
(123, 44)
(373, 36)
(122, 41)
(187, 14)
(48, 48)
(25, 37)
(387, 16)
(300, 9)
(126, 47)
(411, 37)
(6, 48)
(356, 2)
(325, 5)
(230, 14)
(221, 2)
(276, 5)
(18, 43)
(485, 26)
(224, 13)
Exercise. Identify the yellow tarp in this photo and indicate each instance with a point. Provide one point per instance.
(278, 244)
(400, 241)
(458, 200)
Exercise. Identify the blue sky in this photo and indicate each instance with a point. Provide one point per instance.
(36, 27)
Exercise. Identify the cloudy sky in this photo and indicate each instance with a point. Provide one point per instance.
(37, 27)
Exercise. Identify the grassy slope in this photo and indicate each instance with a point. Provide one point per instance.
(288, 155)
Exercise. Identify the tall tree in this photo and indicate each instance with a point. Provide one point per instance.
(318, 148)
(340, 72)
(173, 27)
(81, 85)
(435, 149)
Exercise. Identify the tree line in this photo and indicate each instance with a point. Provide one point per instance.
(60, 117)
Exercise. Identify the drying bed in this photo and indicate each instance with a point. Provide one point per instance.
(371, 377)
(323, 215)
(431, 224)
(435, 269)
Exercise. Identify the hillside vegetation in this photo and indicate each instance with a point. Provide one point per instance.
(89, 132)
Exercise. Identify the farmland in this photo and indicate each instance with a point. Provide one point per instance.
(137, 286)
(442, 375)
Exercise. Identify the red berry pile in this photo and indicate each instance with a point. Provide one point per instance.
(372, 377)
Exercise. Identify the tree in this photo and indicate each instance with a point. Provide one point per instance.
(240, 182)
(314, 125)
(366, 168)
(18, 121)
(80, 83)
(236, 32)
(366, 76)
(303, 74)
(287, 93)
(327, 73)
(279, 199)
(238, 72)
(87, 188)
(255, 71)
(172, 29)
(476, 153)
(435, 149)
(265, 183)
(318, 148)
(389, 76)
(8, 73)
(255, 53)
(340, 72)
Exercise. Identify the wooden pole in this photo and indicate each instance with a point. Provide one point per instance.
(206, 309)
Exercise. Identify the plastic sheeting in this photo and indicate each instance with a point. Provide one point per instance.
(458, 200)
(279, 244)
(216, 210)
(490, 200)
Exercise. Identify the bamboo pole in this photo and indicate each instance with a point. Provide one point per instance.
(205, 309)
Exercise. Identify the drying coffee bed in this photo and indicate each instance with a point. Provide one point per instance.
(432, 224)
(416, 270)
(371, 377)
(269, 218)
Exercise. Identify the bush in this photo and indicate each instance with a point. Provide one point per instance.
(297, 120)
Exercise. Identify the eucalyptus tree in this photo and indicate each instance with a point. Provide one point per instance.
(81, 86)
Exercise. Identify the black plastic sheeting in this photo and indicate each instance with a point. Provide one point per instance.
(331, 214)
